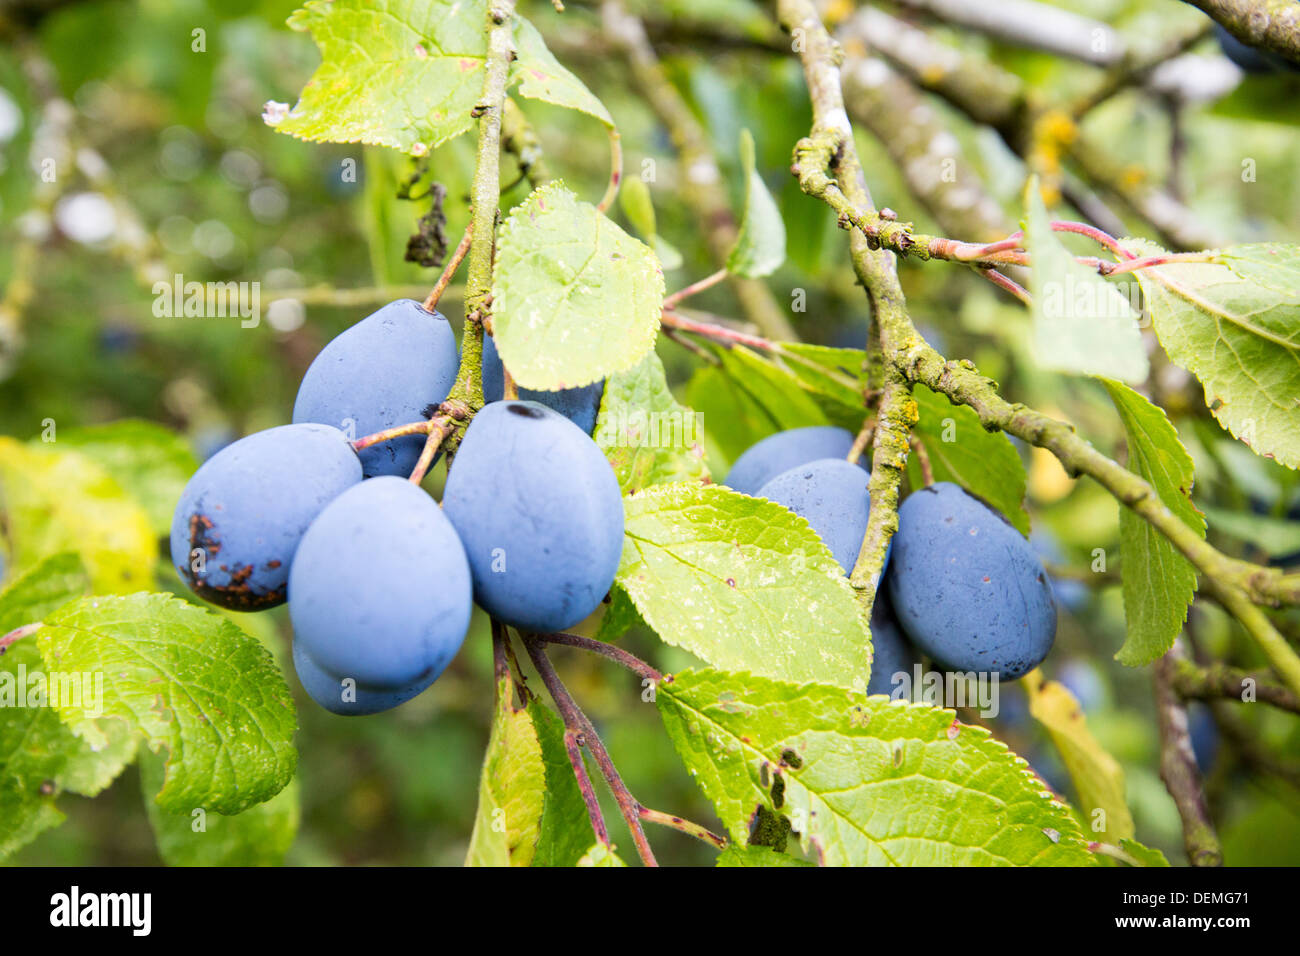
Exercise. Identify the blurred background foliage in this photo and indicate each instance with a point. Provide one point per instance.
(167, 168)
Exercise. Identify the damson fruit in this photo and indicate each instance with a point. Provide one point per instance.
(967, 587)
(579, 405)
(391, 368)
(891, 652)
(766, 459)
(348, 698)
(538, 508)
(380, 590)
(241, 516)
(831, 495)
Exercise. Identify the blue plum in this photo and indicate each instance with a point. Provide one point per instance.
(1249, 58)
(393, 367)
(242, 514)
(892, 654)
(967, 587)
(832, 495)
(349, 700)
(540, 513)
(766, 459)
(579, 405)
(380, 590)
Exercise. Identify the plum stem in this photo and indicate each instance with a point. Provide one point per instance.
(449, 271)
(580, 732)
(18, 633)
(673, 299)
(627, 659)
(685, 826)
(615, 170)
(923, 459)
(397, 431)
(440, 426)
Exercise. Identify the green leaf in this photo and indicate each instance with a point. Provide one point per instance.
(742, 583)
(732, 417)
(760, 246)
(55, 500)
(1143, 855)
(259, 836)
(634, 198)
(566, 831)
(188, 680)
(1234, 323)
(574, 297)
(599, 855)
(1158, 582)
(1276, 537)
(151, 463)
(408, 73)
(961, 451)
(835, 373)
(647, 436)
(620, 615)
(1097, 776)
(1082, 323)
(40, 757)
(863, 782)
(780, 392)
(757, 856)
(54, 582)
(512, 787)
(541, 77)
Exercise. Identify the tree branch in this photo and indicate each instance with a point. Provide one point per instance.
(1270, 25)
(702, 185)
(1221, 681)
(1178, 769)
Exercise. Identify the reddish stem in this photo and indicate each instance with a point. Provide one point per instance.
(685, 293)
(17, 634)
(1010, 285)
(397, 431)
(583, 733)
(1093, 233)
(676, 320)
(453, 264)
(628, 660)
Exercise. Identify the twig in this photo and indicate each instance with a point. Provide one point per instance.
(388, 434)
(671, 300)
(702, 185)
(862, 440)
(1273, 26)
(440, 426)
(17, 634)
(613, 652)
(1218, 680)
(615, 170)
(1008, 285)
(453, 264)
(685, 826)
(923, 460)
(1178, 769)
(676, 320)
(580, 731)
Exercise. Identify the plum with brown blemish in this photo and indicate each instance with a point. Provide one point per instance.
(250, 504)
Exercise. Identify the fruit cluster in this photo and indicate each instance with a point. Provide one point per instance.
(378, 578)
(960, 584)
